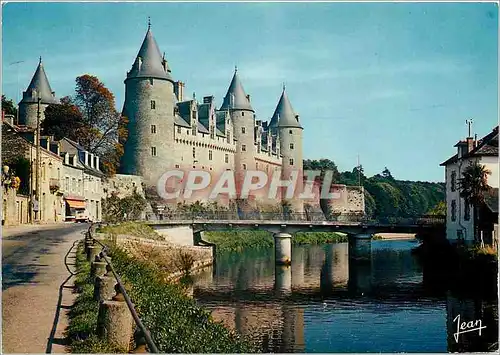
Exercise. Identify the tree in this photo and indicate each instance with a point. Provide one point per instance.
(14, 147)
(438, 210)
(387, 174)
(8, 106)
(91, 119)
(472, 186)
(64, 120)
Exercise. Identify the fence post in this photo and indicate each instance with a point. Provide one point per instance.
(140, 342)
(92, 251)
(104, 286)
(114, 321)
(97, 268)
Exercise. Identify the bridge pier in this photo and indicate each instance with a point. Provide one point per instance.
(360, 247)
(283, 248)
(283, 279)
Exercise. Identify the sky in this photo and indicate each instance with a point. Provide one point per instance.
(392, 83)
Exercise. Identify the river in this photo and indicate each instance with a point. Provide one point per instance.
(325, 302)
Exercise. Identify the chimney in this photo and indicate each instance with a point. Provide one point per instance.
(470, 144)
(179, 90)
(91, 160)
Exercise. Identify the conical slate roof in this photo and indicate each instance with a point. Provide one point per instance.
(284, 116)
(236, 98)
(39, 87)
(148, 63)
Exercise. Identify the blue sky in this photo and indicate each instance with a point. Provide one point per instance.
(392, 82)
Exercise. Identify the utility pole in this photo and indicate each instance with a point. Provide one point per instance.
(37, 167)
(469, 123)
(359, 173)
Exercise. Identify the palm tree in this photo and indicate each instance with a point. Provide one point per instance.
(473, 185)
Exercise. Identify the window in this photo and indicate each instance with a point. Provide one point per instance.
(209, 155)
(226, 158)
(177, 166)
(194, 131)
(243, 130)
(290, 131)
(193, 115)
(67, 184)
(194, 152)
(187, 131)
(244, 167)
(179, 129)
(153, 128)
(153, 151)
(453, 210)
(291, 161)
(228, 134)
(153, 105)
(453, 180)
(243, 148)
(460, 234)
(243, 113)
(212, 132)
(291, 145)
(256, 166)
(151, 81)
(467, 211)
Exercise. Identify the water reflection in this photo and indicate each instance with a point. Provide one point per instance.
(327, 301)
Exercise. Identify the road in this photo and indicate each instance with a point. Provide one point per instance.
(33, 270)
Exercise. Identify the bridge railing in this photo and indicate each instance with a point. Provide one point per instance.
(306, 216)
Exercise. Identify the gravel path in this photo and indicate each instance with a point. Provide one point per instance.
(33, 270)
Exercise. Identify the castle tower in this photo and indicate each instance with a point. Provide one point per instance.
(149, 106)
(39, 87)
(289, 129)
(237, 102)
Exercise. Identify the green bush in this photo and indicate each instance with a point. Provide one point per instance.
(238, 241)
(136, 229)
(177, 324)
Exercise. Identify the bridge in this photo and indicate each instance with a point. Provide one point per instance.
(358, 227)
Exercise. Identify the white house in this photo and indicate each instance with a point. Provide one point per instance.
(459, 215)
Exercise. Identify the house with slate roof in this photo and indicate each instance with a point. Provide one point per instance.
(459, 215)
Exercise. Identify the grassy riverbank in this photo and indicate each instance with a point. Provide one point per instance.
(237, 241)
(177, 324)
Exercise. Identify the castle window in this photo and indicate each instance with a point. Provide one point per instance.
(193, 115)
(194, 152)
(212, 133)
(453, 180)
(226, 158)
(467, 211)
(243, 148)
(209, 155)
(151, 81)
(291, 161)
(244, 167)
(187, 131)
(243, 113)
(243, 130)
(228, 134)
(177, 166)
(291, 145)
(153, 151)
(194, 131)
(153, 105)
(453, 210)
(153, 128)
(257, 166)
(179, 129)
(290, 131)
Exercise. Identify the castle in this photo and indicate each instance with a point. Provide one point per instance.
(168, 130)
